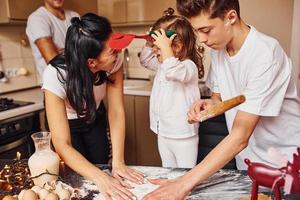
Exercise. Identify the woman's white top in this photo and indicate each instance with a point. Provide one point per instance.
(174, 91)
(53, 84)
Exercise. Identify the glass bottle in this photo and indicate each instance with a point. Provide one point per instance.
(43, 160)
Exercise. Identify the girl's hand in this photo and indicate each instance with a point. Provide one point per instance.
(163, 43)
(111, 189)
(122, 172)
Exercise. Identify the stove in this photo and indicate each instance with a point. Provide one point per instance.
(7, 104)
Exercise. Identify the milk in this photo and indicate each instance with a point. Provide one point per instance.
(43, 160)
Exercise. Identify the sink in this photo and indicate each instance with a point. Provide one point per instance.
(135, 83)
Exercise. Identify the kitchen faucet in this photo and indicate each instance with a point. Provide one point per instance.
(126, 64)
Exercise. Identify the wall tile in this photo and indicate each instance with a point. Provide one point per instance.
(10, 49)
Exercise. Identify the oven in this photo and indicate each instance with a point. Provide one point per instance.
(15, 132)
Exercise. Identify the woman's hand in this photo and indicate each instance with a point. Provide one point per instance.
(111, 188)
(122, 172)
(163, 43)
(168, 190)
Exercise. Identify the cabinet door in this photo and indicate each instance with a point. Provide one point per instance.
(82, 7)
(146, 10)
(20, 10)
(114, 10)
(130, 140)
(146, 140)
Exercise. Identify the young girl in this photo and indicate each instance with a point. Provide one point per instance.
(177, 61)
(75, 84)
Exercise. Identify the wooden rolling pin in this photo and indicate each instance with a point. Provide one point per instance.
(219, 108)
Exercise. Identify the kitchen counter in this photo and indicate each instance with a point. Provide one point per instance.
(225, 184)
(31, 95)
(143, 91)
(36, 96)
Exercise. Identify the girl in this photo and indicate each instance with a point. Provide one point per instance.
(177, 61)
(75, 84)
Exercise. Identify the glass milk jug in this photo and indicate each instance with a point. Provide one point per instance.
(43, 159)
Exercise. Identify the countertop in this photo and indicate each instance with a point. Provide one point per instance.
(36, 96)
(225, 184)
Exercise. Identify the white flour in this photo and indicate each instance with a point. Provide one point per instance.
(139, 190)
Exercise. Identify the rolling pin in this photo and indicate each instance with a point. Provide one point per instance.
(219, 108)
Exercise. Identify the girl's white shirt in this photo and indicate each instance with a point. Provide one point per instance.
(174, 91)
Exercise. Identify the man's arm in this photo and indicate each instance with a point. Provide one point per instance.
(47, 48)
(226, 150)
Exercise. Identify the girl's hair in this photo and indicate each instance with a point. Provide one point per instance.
(185, 35)
(86, 38)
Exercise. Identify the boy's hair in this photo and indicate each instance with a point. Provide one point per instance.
(216, 8)
(185, 35)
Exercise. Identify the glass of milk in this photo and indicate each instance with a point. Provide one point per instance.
(44, 160)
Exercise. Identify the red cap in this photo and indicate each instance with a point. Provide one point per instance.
(122, 40)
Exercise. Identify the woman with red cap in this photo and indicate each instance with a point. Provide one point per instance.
(75, 84)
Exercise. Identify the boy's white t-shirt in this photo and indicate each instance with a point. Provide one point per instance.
(262, 72)
(42, 23)
(53, 84)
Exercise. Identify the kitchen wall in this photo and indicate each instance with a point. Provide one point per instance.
(15, 55)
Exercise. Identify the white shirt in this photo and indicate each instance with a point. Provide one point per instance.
(53, 84)
(174, 90)
(262, 72)
(42, 23)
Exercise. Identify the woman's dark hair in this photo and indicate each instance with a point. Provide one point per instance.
(86, 38)
(216, 8)
(185, 35)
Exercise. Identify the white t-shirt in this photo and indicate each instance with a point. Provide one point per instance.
(174, 91)
(42, 23)
(262, 72)
(53, 84)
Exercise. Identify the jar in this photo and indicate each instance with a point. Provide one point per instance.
(44, 160)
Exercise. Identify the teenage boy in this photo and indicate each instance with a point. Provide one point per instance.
(244, 61)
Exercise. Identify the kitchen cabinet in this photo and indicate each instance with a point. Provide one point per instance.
(82, 7)
(133, 12)
(16, 10)
(140, 143)
(147, 11)
(114, 10)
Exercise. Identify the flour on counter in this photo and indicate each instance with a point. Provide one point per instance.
(139, 190)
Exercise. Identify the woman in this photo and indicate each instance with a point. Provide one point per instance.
(74, 85)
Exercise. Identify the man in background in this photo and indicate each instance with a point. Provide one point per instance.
(46, 30)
